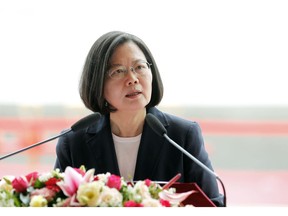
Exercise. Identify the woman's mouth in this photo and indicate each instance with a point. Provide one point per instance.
(133, 94)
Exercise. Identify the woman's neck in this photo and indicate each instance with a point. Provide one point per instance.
(127, 124)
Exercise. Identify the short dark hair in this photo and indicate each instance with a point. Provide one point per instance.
(91, 86)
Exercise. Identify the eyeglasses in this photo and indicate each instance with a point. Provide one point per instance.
(140, 68)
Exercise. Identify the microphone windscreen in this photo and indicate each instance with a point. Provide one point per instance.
(155, 124)
(86, 121)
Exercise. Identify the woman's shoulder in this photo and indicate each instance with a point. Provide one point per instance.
(170, 119)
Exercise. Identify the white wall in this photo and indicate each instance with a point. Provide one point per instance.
(209, 52)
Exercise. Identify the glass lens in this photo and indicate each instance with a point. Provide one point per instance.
(141, 67)
(117, 72)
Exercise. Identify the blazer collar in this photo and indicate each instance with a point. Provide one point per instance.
(150, 149)
(104, 121)
(160, 115)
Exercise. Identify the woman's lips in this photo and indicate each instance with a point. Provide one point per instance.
(132, 94)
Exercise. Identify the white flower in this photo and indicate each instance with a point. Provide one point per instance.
(45, 177)
(104, 177)
(4, 185)
(38, 201)
(88, 193)
(142, 189)
(6, 199)
(150, 202)
(110, 197)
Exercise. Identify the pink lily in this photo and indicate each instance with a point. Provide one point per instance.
(175, 198)
(72, 180)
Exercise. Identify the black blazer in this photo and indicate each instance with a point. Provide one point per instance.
(157, 159)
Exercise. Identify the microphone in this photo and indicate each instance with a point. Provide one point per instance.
(159, 129)
(81, 124)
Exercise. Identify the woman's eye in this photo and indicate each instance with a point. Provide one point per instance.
(141, 66)
(117, 73)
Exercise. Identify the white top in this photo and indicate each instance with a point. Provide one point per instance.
(126, 151)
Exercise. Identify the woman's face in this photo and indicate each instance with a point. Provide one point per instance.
(133, 91)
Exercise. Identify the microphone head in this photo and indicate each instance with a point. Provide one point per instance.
(86, 121)
(155, 124)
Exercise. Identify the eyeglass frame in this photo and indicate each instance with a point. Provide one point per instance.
(125, 71)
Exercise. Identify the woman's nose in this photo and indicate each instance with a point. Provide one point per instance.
(132, 78)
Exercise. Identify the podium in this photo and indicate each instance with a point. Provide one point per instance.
(197, 199)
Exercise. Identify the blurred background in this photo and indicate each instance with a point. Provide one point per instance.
(223, 64)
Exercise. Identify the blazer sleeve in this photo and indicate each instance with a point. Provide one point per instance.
(62, 153)
(194, 143)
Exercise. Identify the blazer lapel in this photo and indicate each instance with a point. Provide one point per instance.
(102, 148)
(149, 150)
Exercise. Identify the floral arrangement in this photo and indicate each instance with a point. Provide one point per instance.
(80, 188)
